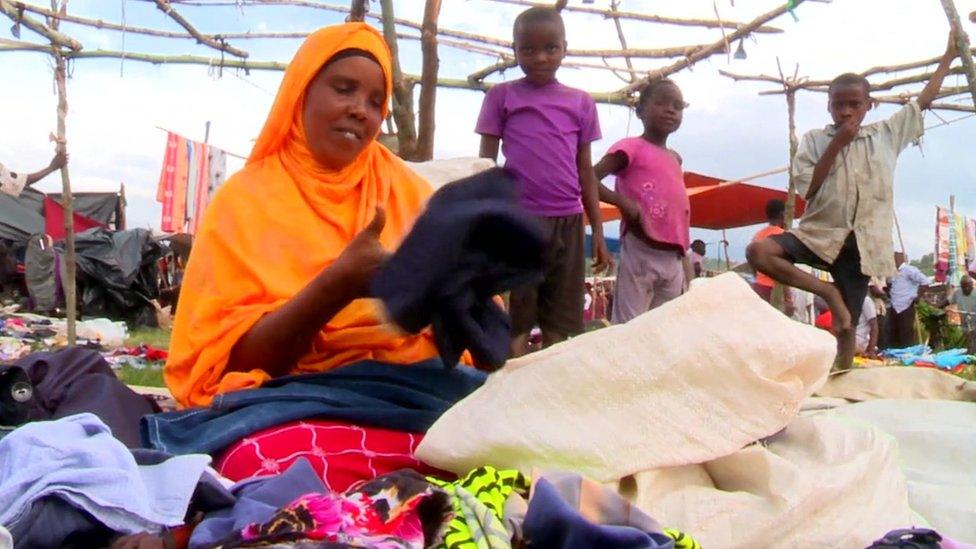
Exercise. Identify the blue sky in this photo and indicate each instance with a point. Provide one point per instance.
(729, 131)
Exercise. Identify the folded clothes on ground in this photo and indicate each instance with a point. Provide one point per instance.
(392, 396)
(77, 460)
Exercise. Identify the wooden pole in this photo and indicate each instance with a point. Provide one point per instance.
(67, 201)
(962, 45)
(725, 248)
(428, 82)
(357, 10)
(901, 242)
(402, 89)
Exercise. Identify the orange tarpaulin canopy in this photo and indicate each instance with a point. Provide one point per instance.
(719, 204)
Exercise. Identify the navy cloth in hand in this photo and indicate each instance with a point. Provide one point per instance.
(472, 243)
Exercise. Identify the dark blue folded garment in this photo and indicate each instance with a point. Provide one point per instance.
(551, 522)
(472, 243)
(391, 396)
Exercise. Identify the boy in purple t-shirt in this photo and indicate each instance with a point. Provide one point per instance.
(545, 130)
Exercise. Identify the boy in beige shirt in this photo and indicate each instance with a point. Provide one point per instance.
(845, 172)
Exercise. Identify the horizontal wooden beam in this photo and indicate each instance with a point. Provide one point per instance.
(612, 98)
(216, 43)
(9, 8)
(719, 45)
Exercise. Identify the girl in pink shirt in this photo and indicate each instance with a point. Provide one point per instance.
(650, 194)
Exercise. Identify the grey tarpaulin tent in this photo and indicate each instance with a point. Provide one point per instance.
(23, 216)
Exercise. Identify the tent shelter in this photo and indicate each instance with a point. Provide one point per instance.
(718, 204)
(24, 216)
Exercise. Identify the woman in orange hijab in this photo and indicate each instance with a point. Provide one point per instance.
(276, 281)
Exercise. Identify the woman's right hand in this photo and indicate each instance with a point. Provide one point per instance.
(362, 257)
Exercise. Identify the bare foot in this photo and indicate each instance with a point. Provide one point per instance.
(843, 329)
(845, 349)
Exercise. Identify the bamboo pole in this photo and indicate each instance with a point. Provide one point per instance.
(216, 43)
(962, 45)
(67, 201)
(428, 82)
(608, 98)
(403, 113)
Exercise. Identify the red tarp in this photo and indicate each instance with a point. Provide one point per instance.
(54, 220)
(717, 204)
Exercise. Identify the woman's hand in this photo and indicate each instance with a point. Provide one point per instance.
(362, 257)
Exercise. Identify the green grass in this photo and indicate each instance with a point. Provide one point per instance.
(147, 377)
(157, 337)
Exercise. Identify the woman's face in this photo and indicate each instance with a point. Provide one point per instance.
(343, 110)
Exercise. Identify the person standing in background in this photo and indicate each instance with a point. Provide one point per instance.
(904, 293)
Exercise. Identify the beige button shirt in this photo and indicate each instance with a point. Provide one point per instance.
(857, 193)
(10, 182)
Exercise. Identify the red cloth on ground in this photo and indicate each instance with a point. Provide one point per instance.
(825, 321)
(342, 454)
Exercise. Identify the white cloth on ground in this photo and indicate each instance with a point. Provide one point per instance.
(820, 483)
(78, 460)
(6, 541)
(898, 382)
(684, 383)
(937, 450)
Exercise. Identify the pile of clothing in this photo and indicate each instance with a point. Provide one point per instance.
(618, 438)
(921, 356)
(24, 333)
(138, 357)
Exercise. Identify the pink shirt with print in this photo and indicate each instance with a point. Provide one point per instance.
(654, 180)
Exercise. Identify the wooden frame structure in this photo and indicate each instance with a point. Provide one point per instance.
(414, 128)
(790, 85)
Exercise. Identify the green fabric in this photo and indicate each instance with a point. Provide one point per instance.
(479, 503)
(681, 540)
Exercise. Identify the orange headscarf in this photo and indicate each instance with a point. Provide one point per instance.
(277, 224)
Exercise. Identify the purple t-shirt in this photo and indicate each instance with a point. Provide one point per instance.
(542, 128)
(653, 179)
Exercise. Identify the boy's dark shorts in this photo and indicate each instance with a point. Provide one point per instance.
(846, 269)
(556, 303)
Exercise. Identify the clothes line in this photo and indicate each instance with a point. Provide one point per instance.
(228, 153)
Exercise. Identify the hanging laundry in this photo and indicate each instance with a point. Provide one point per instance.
(199, 197)
(191, 172)
(943, 236)
(218, 168)
(166, 190)
(971, 239)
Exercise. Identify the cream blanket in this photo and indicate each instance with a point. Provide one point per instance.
(694, 380)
